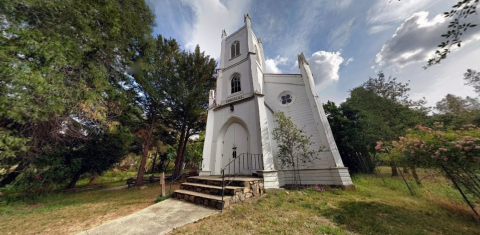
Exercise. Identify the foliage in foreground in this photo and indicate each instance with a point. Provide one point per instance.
(455, 152)
(63, 82)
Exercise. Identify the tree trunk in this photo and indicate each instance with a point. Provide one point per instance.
(154, 159)
(178, 161)
(415, 176)
(405, 170)
(184, 150)
(74, 181)
(143, 161)
(394, 168)
(141, 169)
(166, 165)
(92, 180)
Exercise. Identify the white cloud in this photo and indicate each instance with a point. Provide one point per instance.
(348, 61)
(417, 39)
(325, 67)
(211, 16)
(342, 4)
(272, 64)
(299, 25)
(384, 14)
(339, 36)
(378, 28)
(434, 83)
(385, 11)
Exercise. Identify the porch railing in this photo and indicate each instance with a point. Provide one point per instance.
(244, 161)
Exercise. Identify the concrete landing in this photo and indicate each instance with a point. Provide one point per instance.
(160, 218)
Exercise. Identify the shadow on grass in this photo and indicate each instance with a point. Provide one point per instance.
(380, 218)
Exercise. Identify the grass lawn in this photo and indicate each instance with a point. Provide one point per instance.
(377, 206)
(380, 205)
(69, 213)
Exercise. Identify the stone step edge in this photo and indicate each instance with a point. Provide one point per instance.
(218, 183)
(212, 186)
(239, 179)
(203, 195)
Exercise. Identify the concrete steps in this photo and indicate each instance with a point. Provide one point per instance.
(207, 190)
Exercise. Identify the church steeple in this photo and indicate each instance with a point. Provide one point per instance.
(224, 34)
(302, 59)
(247, 20)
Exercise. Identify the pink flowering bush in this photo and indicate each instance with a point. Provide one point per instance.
(455, 152)
(424, 146)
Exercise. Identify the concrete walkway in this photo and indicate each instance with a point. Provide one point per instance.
(160, 218)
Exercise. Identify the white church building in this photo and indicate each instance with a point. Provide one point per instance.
(240, 117)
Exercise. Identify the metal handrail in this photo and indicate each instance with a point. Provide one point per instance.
(258, 161)
(171, 182)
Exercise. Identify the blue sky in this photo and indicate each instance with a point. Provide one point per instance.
(345, 41)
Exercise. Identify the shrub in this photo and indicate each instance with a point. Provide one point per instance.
(162, 198)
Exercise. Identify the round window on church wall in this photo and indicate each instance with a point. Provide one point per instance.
(286, 98)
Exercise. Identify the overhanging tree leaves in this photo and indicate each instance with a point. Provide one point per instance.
(456, 29)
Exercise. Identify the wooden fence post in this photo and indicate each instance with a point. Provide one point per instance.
(162, 181)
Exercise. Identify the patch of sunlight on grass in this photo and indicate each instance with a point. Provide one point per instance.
(66, 213)
(380, 205)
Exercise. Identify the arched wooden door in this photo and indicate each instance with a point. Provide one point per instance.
(235, 143)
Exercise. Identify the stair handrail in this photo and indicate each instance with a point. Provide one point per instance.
(171, 182)
(239, 157)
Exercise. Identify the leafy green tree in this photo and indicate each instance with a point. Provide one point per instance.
(66, 165)
(293, 145)
(99, 154)
(347, 131)
(456, 111)
(62, 71)
(473, 78)
(453, 104)
(166, 158)
(187, 97)
(152, 74)
(385, 111)
(194, 149)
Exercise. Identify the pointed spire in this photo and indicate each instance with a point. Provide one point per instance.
(302, 59)
(246, 16)
(224, 34)
(259, 39)
(247, 20)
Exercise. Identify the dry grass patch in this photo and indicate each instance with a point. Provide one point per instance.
(69, 213)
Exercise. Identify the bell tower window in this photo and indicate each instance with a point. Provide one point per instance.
(235, 49)
(236, 84)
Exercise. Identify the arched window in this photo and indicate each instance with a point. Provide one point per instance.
(257, 56)
(236, 84)
(235, 49)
